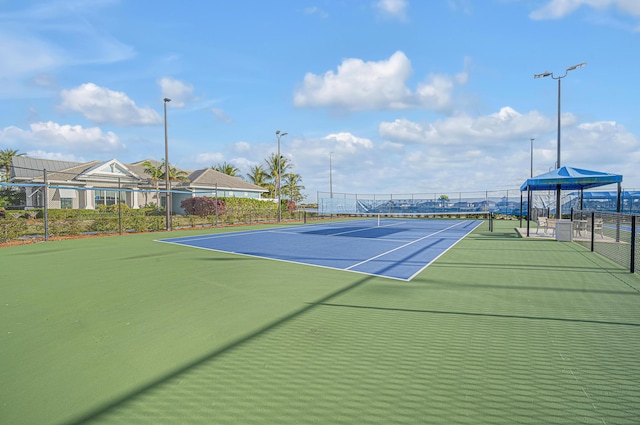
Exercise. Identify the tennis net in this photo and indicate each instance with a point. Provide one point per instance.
(416, 219)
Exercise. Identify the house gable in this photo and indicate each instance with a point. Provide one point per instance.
(108, 170)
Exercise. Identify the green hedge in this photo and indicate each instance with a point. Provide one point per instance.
(113, 218)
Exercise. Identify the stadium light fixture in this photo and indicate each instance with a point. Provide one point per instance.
(278, 171)
(167, 197)
(558, 163)
(544, 74)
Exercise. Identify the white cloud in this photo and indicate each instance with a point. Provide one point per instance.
(460, 153)
(464, 153)
(314, 10)
(555, 9)
(208, 159)
(44, 80)
(348, 142)
(49, 136)
(178, 91)
(460, 129)
(242, 164)
(463, 6)
(358, 85)
(242, 147)
(48, 36)
(607, 138)
(221, 115)
(24, 55)
(396, 9)
(436, 92)
(406, 131)
(58, 156)
(102, 105)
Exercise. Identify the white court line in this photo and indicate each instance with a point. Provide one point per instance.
(443, 252)
(183, 241)
(405, 245)
(358, 230)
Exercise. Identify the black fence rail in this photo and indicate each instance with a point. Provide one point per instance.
(38, 212)
(33, 225)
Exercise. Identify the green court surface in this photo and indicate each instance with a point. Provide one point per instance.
(499, 330)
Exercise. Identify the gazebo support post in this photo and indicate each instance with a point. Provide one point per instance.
(529, 199)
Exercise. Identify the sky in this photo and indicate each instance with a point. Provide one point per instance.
(376, 96)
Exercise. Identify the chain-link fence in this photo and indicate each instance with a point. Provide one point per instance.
(611, 235)
(506, 202)
(509, 202)
(43, 211)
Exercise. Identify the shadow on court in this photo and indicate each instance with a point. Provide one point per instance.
(128, 405)
(127, 408)
(499, 316)
(484, 335)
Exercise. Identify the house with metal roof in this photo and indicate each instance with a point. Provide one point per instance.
(87, 185)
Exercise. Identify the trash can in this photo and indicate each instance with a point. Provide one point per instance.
(564, 230)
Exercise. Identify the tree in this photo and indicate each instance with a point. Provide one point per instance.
(258, 176)
(276, 168)
(175, 174)
(157, 174)
(227, 168)
(292, 187)
(6, 158)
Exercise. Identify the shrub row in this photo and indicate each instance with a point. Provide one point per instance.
(113, 218)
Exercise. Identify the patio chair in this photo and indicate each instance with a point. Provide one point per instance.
(580, 226)
(598, 224)
(542, 223)
(551, 224)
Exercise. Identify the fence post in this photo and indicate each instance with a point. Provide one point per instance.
(593, 230)
(216, 204)
(632, 266)
(46, 206)
(521, 209)
(119, 207)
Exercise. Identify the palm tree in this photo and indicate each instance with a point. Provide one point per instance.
(258, 176)
(227, 168)
(176, 175)
(157, 174)
(292, 187)
(276, 168)
(6, 158)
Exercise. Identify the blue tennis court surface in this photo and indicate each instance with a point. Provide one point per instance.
(392, 248)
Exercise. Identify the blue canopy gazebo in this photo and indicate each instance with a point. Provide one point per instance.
(568, 178)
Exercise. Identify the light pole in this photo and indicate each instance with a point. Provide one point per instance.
(167, 206)
(529, 195)
(558, 164)
(330, 177)
(278, 170)
(532, 139)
